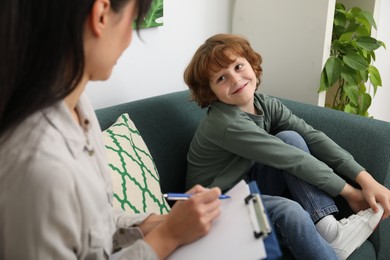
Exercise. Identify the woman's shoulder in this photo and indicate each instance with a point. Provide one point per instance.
(33, 149)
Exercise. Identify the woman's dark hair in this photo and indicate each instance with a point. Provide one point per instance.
(42, 53)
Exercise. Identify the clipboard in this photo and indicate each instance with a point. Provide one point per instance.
(259, 219)
(232, 234)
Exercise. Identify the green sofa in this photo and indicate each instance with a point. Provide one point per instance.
(168, 122)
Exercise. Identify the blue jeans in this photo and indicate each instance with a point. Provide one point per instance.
(294, 219)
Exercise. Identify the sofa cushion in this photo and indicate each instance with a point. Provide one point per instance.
(136, 182)
(167, 124)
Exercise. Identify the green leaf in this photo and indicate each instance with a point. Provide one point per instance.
(336, 45)
(375, 77)
(353, 12)
(372, 53)
(363, 74)
(349, 109)
(340, 7)
(363, 31)
(355, 61)
(365, 54)
(332, 70)
(350, 75)
(362, 88)
(352, 93)
(337, 31)
(346, 48)
(367, 43)
(365, 104)
(352, 27)
(382, 44)
(339, 19)
(155, 13)
(323, 83)
(366, 17)
(364, 28)
(346, 37)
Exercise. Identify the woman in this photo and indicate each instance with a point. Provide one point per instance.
(55, 189)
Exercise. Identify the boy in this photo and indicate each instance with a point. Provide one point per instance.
(250, 136)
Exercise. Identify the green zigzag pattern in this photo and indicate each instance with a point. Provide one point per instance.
(146, 173)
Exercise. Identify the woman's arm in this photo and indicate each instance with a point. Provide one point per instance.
(151, 222)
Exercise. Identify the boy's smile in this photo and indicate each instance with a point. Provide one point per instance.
(240, 89)
(236, 84)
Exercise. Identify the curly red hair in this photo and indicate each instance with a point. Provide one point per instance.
(214, 54)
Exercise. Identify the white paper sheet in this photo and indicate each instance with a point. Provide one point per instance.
(231, 236)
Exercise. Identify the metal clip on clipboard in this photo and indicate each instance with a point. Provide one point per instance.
(258, 216)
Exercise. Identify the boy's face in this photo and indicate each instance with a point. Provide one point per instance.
(236, 84)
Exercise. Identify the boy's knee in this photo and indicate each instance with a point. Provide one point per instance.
(288, 135)
(294, 139)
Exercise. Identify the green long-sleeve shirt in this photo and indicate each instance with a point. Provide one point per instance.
(228, 142)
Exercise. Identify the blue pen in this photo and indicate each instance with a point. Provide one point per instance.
(184, 196)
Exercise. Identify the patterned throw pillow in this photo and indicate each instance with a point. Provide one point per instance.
(135, 178)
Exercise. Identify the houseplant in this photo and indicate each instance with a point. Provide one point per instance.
(348, 70)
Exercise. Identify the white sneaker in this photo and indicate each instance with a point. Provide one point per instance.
(353, 231)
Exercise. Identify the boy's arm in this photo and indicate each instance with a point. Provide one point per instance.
(320, 145)
(326, 150)
(249, 141)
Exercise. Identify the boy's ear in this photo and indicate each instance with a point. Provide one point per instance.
(99, 16)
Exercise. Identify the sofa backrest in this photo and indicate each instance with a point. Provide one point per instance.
(167, 124)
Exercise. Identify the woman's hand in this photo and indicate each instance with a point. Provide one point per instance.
(192, 218)
(187, 221)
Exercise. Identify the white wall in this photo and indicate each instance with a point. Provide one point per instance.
(293, 38)
(380, 108)
(155, 66)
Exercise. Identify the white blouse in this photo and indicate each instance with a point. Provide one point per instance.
(56, 192)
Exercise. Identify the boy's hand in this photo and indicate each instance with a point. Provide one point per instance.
(374, 192)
